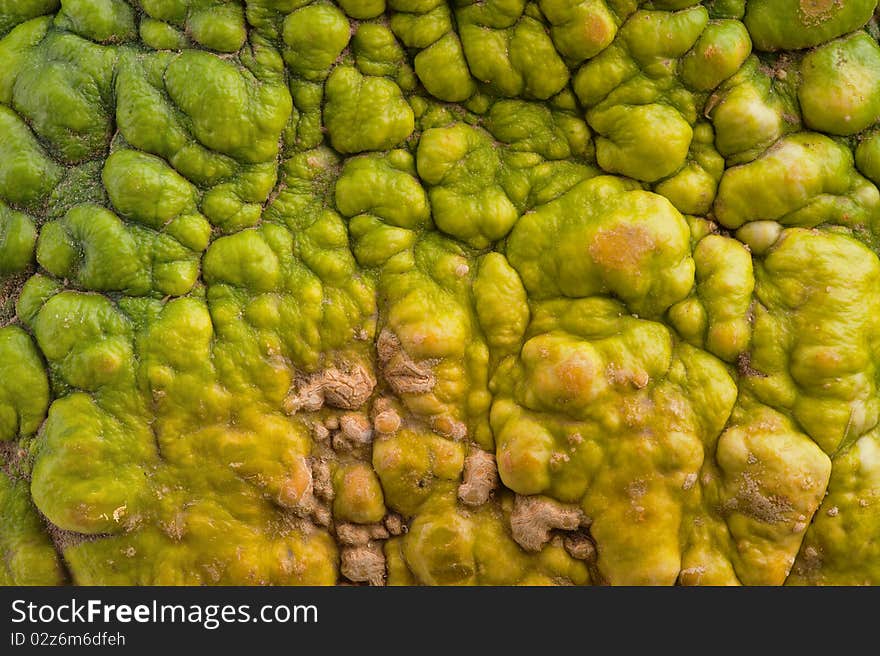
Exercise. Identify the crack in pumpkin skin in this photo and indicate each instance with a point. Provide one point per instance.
(496, 293)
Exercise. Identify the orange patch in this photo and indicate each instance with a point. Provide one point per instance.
(827, 359)
(817, 11)
(622, 248)
(596, 30)
(576, 375)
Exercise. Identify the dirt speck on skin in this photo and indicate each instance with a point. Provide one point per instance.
(580, 546)
(480, 478)
(14, 460)
(394, 524)
(356, 428)
(636, 489)
(322, 516)
(364, 564)
(65, 539)
(816, 12)
(809, 562)
(386, 419)
(348, 388)
(751, 501)
(358, 535)
(403, 374)
(297, 493)
(175, 528)
(533, 518)
(321, 481)
(10, 288)
(744, 367)
(449, 427)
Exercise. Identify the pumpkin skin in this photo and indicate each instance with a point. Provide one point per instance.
(415, 292)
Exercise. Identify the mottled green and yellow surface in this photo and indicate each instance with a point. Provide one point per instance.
(439, 292)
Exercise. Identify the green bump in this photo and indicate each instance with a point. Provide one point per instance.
(501, 303)
(15, 12)
(754, 110)
(442, 69)
(35, 292)
(358, 494)
(806, 179)
(726, 8)
(839, 91)
(626, 142)
(419, 30)
(718, 319)
(230, 114)
(762, 464)
(104, 21)
(812, 287)
(94, 247)
(534, 128)
(377, 52)
(517, 61)
(838, 548)
(27, 554)
(93, 349)
(644, 92)
(243, 259)
(144, 188)
(161, 36)
(607, 236)
(384, 185)
(692, 189)
(17, 239)
(221, 28)
(363, 9)
(413, 466)
(27, 174)
(314, 37)
(24, 388)
(719, 53)
(364, 112)
(868, 157)
(580, 29)
(673, 32)
(795, 24)
(63, 88)
(170, 11)
(103, 491)
(461, 167)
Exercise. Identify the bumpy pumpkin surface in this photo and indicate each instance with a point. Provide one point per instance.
(425, 292)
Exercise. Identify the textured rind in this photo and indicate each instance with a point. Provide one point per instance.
(29, 557)
(417, 292)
